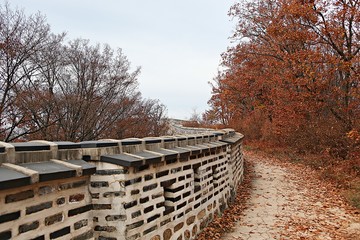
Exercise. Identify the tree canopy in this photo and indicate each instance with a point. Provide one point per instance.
(73, 91)
(293, 76)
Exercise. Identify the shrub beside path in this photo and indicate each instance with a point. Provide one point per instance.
(288, 201)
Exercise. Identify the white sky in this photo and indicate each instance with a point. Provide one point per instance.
(176, 43)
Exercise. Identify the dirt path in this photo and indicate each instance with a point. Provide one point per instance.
(287, 202)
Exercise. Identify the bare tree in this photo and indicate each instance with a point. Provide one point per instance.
(93, 90)
(74, 91)
(147, 117)
(21, 38)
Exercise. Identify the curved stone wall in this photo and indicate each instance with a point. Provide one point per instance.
(152, 188)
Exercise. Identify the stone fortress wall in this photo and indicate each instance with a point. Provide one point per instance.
(151, 188)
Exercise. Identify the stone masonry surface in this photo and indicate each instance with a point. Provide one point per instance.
(152, 188)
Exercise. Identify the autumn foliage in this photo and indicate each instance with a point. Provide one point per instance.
(293, 77)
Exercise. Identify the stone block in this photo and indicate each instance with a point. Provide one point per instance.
(46, 190)
(115, 218)
(105, 228)
(5, 235)
(41, 237)
(130, 204)
(60, 201)
(201, 214)
(135, 191)
(149, 230)
(167, 234)
(152, 218)
(178, 227)
(150, 187)
(38, 207)
(134, 237)
(194, 230)
(76, 197)
(28, 227)
(157, 237)
(187, 234)
(19, 196)
(60, 233)
(80, 224)
(84, 236)
(71, 185)
(114, 194)
(190, 220)
(101, 206)
(136, 214)
(80, 210)
(54, 219)
(135, 225)
(99, 184)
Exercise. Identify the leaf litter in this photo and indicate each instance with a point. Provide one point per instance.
(300, 206)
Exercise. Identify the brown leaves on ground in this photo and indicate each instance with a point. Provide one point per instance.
(323, 213)
(313, 208)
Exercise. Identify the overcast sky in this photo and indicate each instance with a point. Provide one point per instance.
(177, 43)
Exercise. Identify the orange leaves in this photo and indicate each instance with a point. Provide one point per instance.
(288, 200)
(354, 135)
(298, 66)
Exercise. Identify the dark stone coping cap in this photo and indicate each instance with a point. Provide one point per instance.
(122, 160)
(180, 138)
(180, 150)
(168, 154)
(193, 149)
(130, 141)
(30, 146)
(164, 151)
(203, 146)
(149, 157)
(233, 139)
(168, 139)
(213, 145)
(219, 143)
(50, 171)
(67, 145)
(140, 158)
(87, 168)
(152, 140)
(198, 137)
(12, 179)
(219, 133)
(209, 135)
(95, 144)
